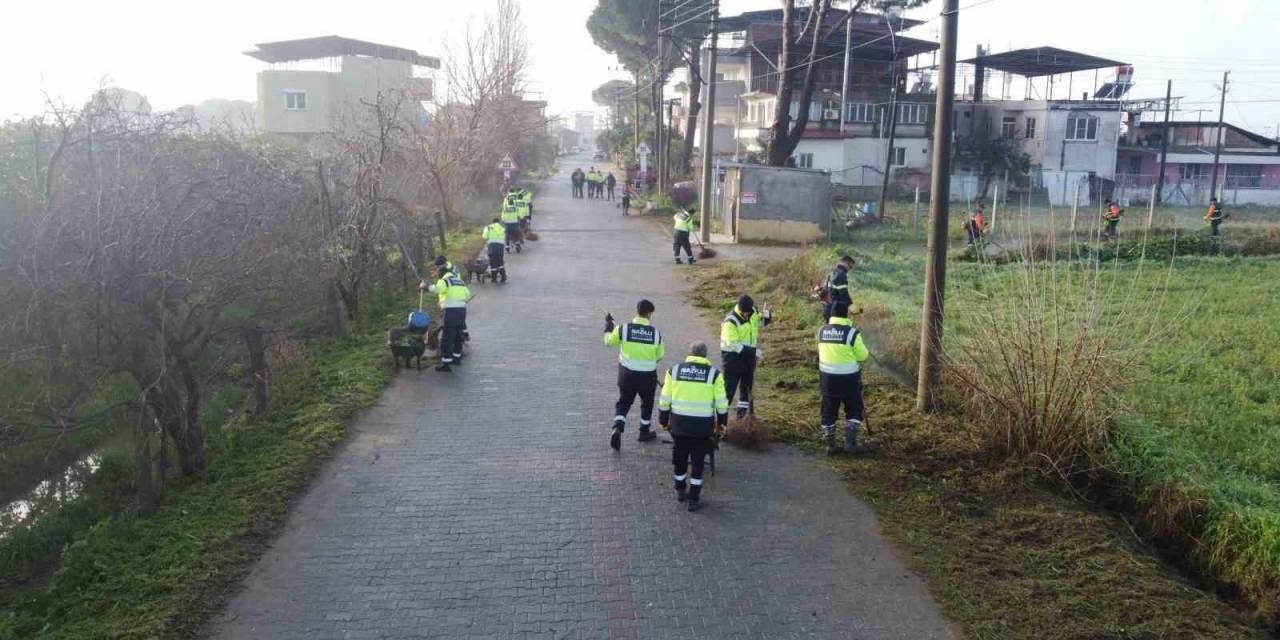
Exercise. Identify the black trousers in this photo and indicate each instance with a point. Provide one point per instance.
(689, 456)
(1111, 227)
(681, 241)
(841, 390)
(513, 233)
(610, 187)
(1213, 226)
(497, 259)
(632, 384)
(739, 376)
(455, 322)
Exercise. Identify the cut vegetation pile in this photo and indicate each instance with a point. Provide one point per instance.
(1185, 446)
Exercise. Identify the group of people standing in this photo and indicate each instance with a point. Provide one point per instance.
(694, 404)
(506, 231)
(598, 184)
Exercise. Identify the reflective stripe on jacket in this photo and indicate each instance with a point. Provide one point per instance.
(494, 234)
(451, 292)
(641, 344)
(737, 334)
(683, 221)
(695, 389)
(841, 350)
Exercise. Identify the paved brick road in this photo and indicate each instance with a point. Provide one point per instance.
(487, 504)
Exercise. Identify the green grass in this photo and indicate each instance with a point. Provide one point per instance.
(1195, 454)
(1007, 555)
(125, 575)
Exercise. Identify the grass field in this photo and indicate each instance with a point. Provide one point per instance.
(1194, 457)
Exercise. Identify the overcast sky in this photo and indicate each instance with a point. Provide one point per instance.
(178, 55)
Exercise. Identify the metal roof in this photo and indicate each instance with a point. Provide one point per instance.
(335, 46)
(1042, 61)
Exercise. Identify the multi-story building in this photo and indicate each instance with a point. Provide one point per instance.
(313, 84)
(1248, 167)
(854, 153)
(1068, 141)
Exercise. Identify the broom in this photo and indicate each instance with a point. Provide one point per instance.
(704, 251)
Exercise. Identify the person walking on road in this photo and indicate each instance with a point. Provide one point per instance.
(739, 349)
(841, 352)
(511, 222)
(838, 286)
(577, 178)
(626, 199)
(453, 295)
(693, 408)
(495, 242)
(1112, 217)
(610, 182)
(640, 350)
(683, 226)
(1215, 216)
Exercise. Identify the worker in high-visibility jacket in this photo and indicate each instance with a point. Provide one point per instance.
(511, 222)
(527, 196)
(694, 409)
(841, 353)
(1112, 216)
(452, 294)
(640, 349)
(740, 349)
(837, 287)
(683, 226)
(495, 242)
(1215, 216)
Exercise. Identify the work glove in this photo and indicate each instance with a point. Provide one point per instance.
(608, 322)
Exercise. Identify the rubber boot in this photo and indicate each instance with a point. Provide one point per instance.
(851, 435)
(444, 366)
(692, 260)
(615, 440)
(681, 495)
(742, 412)
(646, 434)
(829, 437)
(695, 498)
(678, 260)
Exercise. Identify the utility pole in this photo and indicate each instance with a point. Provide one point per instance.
(635, 144)
(709, 130)
(930, 369)
(1164, 143)
(1217, 148)
(893, 131)
(659, 147)
(666, 145)
(844, 84)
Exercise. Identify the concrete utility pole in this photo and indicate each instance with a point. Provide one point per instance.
(939, 202)
(1164, 144)
(636, 123)
(1217, 148)
(708, 131)
(659, 147)
(844, 84)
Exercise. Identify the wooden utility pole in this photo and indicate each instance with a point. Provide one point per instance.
(930, 369)
(1164, 143)
(1217, 148)
(709, 130)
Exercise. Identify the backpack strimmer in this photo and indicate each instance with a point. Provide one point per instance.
(419, 320)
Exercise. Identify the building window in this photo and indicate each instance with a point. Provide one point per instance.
(912, 113)
(859, 112)
(1082, 128)
(295, 100)
(899, 156)
(1031, 128)
(803, 160)
(1008, 127)
(1192, 171)
(1244, 176)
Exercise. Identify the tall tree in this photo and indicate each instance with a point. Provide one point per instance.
(785, 132)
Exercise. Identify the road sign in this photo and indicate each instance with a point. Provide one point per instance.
(507, 164)
(748, 197)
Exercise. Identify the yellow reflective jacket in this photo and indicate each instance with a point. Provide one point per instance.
(693, 398)
(841, 350)
(641, 344)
